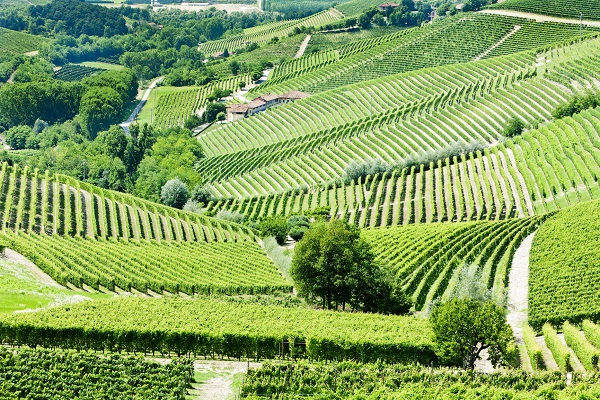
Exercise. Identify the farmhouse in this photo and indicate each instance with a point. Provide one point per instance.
(239, 111)
(388, 7)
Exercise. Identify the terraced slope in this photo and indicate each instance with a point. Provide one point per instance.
(83, 235)
(18, 42)
(441, 43)
(265, 33)
(431, 256)
(564, 267)
(459, 116)
(547, 169)
(32, 202)
(559, 8)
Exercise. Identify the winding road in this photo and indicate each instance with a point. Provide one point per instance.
(125, 125)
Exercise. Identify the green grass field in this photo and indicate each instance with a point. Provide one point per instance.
(21, 290)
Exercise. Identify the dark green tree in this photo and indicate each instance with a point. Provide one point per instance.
(100, 107)
(514, 127)
(16, 137)
(274, 226)
(334, 266)
(463, 328)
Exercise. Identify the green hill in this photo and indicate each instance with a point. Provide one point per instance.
(560, 8)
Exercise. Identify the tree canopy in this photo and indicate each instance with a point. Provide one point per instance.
(464, 327)
(334, 266)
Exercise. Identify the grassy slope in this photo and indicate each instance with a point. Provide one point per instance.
(20, 290)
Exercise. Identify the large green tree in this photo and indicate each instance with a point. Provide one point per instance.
(100, 107)
(334, 266)
(464, 327)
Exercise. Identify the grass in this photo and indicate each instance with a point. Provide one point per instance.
(21, 290)
(97, 64)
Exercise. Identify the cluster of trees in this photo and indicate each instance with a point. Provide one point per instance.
(75, 18)
(99, 101)
(408, 13)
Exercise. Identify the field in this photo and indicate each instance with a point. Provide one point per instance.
(560, 8)
(18, 42)
(441, 143)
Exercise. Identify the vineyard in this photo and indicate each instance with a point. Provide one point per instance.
(173, 106)
(212, 328)
(75, 72)
(371, 381)
(443, 43)
(151, 267)
(564, 268)
(18, 42)
(266, 33)
(559, 8)
(45, 374)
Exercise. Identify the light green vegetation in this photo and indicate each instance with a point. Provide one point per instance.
(432, 256)
(18, 42)
(565, 261)
(216, 328)
(325, 41)
(21, 290)
(559, 8)
(355, 7)
(102, 65)
(264, 33)
(376, 381)
(172, 106)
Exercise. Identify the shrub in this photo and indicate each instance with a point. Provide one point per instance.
(201, 194)
(274, 226)
(514, 127)
(192, 206)
(297, 232)
(16, 137)
(174, 193)
(576, 105)
(231, 216)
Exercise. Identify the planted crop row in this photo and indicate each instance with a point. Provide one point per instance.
(19, 42)
(45, 374)
(265, 33)
(430, 261)
(190, 268)
(174, 108)
(565, 274)
(559, 8)
(60, 205)
(75, 72)
(214, 328)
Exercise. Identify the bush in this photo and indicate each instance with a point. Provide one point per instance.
(514, 127)
(174, 193)
(576, 105)
(192, 122)
(274, 226)
(297, 232)
(201, 194)
(16, 137)
(298, 220)
(192, 206)
(231, 216)
(356, 170)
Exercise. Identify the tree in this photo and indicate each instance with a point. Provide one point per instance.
(212, 111)
(113, 142)
(332, 264)
(16, 137)
(174, 193)
(234, 66)
(464, 327)
(100, 107)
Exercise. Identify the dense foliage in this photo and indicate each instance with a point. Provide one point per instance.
(376, 381)
(563, 256)
(214, 328)
(463, 328)
(44, 374)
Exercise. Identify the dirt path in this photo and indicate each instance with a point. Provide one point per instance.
(22, 260)
(219, 385)
(303, 47)
(549, 361)
(518, 288)
(541, 18)
(88, 210)
(141, 104)
(498, 43)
